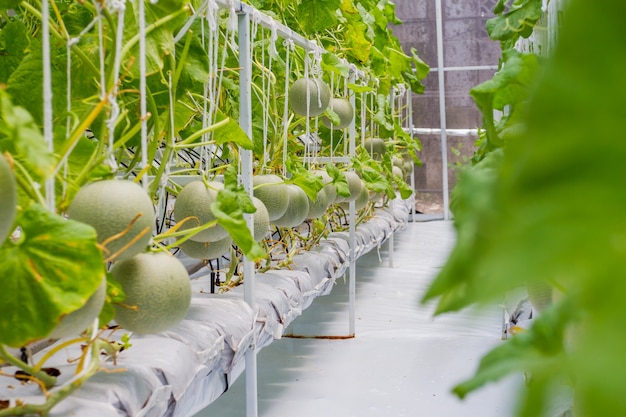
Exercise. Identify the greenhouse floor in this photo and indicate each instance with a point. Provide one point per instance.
(402, 362)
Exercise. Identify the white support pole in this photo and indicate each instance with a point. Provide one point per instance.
(352, 209)
(442, 111)
(245, 121)
(48, 128)
(411, 127)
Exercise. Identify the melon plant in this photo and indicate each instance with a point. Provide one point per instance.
(78, 320)
(195, 200)
(261, 220)
(376, 147)
(355, 184)
(297, 208)
(110, 207)
(158, 292)
(344, 110)
(206, 250)
(8, 198)
(273, 193)
(319, 96)
(360, 201)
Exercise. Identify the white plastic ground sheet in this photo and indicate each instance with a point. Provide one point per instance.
(181, 371)
(403, 361)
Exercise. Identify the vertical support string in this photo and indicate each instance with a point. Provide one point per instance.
(142, 90)
(288, 47)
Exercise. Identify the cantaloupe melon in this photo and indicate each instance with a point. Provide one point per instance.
(110, 206)
(395, 170)
(318, 207)
(77, 321)
(376, 147)
(319, 96)
(272, 191)
(261, 220)
(355, 184)
(361, 201)
(206, 250)
(330, 189)
(297, 208)
(344, 110)
(8, 198)
(195, 200)
(158, 292)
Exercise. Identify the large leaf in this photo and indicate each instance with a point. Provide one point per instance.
(317, 15)
(553, 212)
(13, 44)
(518, 21)
(23, 138)
(50, 271)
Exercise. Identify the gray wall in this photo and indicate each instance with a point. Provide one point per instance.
(465, 43)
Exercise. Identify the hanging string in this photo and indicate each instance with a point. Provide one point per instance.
(307, 124)
(363, 111)
(265, 90)
(142, 90)
(68, 71)
(289, 45)
(119, 7)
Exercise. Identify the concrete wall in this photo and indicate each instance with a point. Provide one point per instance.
(465, 43)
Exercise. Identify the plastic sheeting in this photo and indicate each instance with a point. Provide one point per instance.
(181, 371)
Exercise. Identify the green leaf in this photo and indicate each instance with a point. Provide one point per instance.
(305, 179)
(23, 138)
(422, 69)
(14, 42)
(332, 63)
(339, 180)
(9, 4)
(318, 15)
(518, 21)
(231, 132)
(52, 270)
(538, 350)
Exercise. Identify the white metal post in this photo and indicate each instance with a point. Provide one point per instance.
(352, 209)
(245, 121)
(411, 127)
(442, 110)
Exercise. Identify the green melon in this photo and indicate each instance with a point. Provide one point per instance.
(261, 220)
(318, 207)
(297, 208)
(272, 191)
(158, 292)
(361, 201)
(206, 250)
(376, 147)
(8, 199)
(330, 189)
(344, 110)
(110, 206)
(397, 161)
(395, 170)
(319, 96)
(355, 184)
(195, 200)
(75, 322)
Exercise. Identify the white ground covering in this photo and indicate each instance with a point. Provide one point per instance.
(402, 362)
